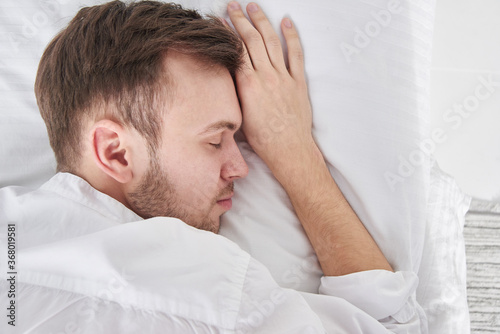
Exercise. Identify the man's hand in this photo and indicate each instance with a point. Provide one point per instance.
(277, 118)
(277, 124)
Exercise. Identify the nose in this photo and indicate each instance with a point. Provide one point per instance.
(235, 166)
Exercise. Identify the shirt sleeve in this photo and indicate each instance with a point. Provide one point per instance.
(388, 297)
(267, 308)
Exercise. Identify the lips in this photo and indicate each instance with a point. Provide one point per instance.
(226, 198)
(226, 202)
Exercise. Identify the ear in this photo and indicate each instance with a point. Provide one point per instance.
(110, 150)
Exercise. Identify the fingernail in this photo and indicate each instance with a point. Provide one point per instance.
(252, 7)
(234, 5)
(287, 23)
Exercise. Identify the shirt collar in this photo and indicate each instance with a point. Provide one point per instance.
(77, 189)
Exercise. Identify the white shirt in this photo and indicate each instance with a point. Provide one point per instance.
(84, 263)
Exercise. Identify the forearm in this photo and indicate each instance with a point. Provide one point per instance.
(342, 243)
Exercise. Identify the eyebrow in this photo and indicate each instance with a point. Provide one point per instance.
(220, 125)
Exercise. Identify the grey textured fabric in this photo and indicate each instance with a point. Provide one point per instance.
(482, 242)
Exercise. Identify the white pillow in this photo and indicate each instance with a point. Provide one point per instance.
(370, 108)
(368, 66)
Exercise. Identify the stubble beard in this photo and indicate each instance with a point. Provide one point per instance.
(156, 197)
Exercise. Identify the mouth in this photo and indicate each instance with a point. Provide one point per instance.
(226, 202)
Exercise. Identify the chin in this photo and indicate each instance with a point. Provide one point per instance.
(215, 228)
(212, 228)
(206, 225)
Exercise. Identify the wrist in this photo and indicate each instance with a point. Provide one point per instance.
(300, 166)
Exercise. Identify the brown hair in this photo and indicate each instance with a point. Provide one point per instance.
(111, 55)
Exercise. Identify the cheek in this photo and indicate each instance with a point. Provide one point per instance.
(195, 173)
(206, 171)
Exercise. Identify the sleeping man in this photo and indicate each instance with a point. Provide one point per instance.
(142, 102)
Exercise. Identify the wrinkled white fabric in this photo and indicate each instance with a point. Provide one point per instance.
(87, 264)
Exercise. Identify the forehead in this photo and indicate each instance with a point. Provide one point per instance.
(201, 95)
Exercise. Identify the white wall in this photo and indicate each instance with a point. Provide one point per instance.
(466, 56)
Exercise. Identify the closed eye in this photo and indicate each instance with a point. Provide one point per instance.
(217, 146)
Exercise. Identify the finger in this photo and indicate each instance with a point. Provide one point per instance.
(246, 68)
(271, 39)
(251, 37)
(295, 53)
(247, 63)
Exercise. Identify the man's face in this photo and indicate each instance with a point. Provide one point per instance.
(191, 175)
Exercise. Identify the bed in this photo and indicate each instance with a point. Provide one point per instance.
(368, 69)
(482, 241)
